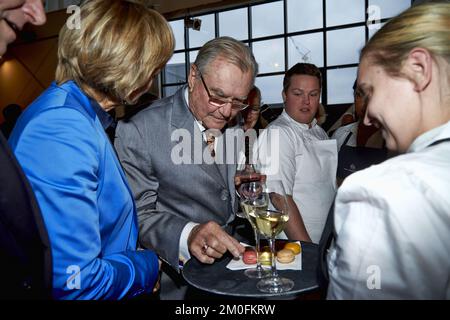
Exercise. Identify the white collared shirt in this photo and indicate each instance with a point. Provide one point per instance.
(392, 223)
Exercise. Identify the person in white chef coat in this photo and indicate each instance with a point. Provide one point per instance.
(392, 220)
(297, 151)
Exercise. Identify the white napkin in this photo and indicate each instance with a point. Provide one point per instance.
(240, 265)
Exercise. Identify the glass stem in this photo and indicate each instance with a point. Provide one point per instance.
(258, 247)
(272, 249)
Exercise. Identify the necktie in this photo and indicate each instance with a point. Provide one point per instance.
(210, 142)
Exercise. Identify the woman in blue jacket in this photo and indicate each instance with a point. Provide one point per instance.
(60, 141)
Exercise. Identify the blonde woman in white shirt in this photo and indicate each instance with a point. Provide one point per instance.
(392, 221)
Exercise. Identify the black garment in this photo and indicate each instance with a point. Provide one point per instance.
(107, 120)
(11, 113)
(25, 256)
(328, 236)
(6, 128)
(352, 159)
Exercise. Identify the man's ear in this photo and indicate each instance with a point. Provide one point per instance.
(191, 77)
(418, 67)
(283, 94)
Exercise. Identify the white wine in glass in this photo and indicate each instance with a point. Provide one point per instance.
(270, 222)
(249, 208)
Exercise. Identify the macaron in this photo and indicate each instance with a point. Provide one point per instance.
(265, 258)
(249, 257)
(294, 246)
(285, 256)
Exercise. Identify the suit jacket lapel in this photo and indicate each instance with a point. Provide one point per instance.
(182, 118)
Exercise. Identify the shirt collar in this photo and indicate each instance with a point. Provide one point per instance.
(104, 117)
(427, 138)
(199, 123)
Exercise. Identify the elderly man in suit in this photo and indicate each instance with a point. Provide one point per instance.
(185, 206)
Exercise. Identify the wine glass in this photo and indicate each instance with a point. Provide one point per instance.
(247, 174)
(253, 198)
(270, 221)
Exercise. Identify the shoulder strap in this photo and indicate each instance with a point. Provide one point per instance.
(439, 142)
(347, 138)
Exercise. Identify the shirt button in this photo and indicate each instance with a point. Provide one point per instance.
(224, 195)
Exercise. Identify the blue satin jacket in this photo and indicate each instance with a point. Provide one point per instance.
(84, 197)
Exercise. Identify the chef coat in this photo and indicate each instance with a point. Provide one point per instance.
(305, 160)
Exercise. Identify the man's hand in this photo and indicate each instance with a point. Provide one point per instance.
(157, 284)
(208, 242)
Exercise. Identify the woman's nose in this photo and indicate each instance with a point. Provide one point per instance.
(367, 120)
(35, 12)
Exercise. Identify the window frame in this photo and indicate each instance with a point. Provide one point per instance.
(285, 35)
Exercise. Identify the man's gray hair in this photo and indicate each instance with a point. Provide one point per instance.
(232, 50)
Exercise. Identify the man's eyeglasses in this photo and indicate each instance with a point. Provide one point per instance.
(255, 108)
(220, 102)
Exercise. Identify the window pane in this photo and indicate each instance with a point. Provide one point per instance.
(386, 8)
(267, 19)
(306, 48)
(271, 88)
(340, 85)
(344, 45)
(300, 13)
(344, 12)
(206, 33)
(168, 91)
(269, 55)
(373, 28)
(178, 33)
(234, 24)
(192, 56)
(174, 71)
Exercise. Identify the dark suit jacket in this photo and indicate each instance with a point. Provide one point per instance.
(25, 256)
(327, 238)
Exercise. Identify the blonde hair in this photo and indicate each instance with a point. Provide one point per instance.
(120, 46)
(426, 26)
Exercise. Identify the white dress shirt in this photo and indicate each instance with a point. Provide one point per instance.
(393, 227)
